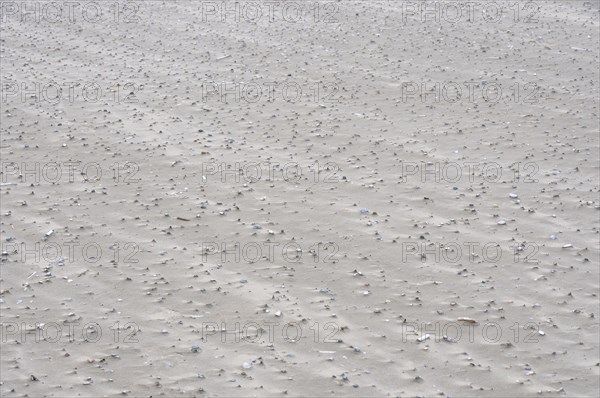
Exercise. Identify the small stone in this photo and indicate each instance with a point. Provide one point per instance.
(423, 338)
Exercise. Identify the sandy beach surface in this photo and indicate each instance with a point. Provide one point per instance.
(334, 198)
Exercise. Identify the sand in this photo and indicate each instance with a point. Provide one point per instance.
(264, 203)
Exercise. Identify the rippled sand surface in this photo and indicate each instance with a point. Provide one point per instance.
(340, 198)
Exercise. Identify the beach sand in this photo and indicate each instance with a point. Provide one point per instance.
(255, 202)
